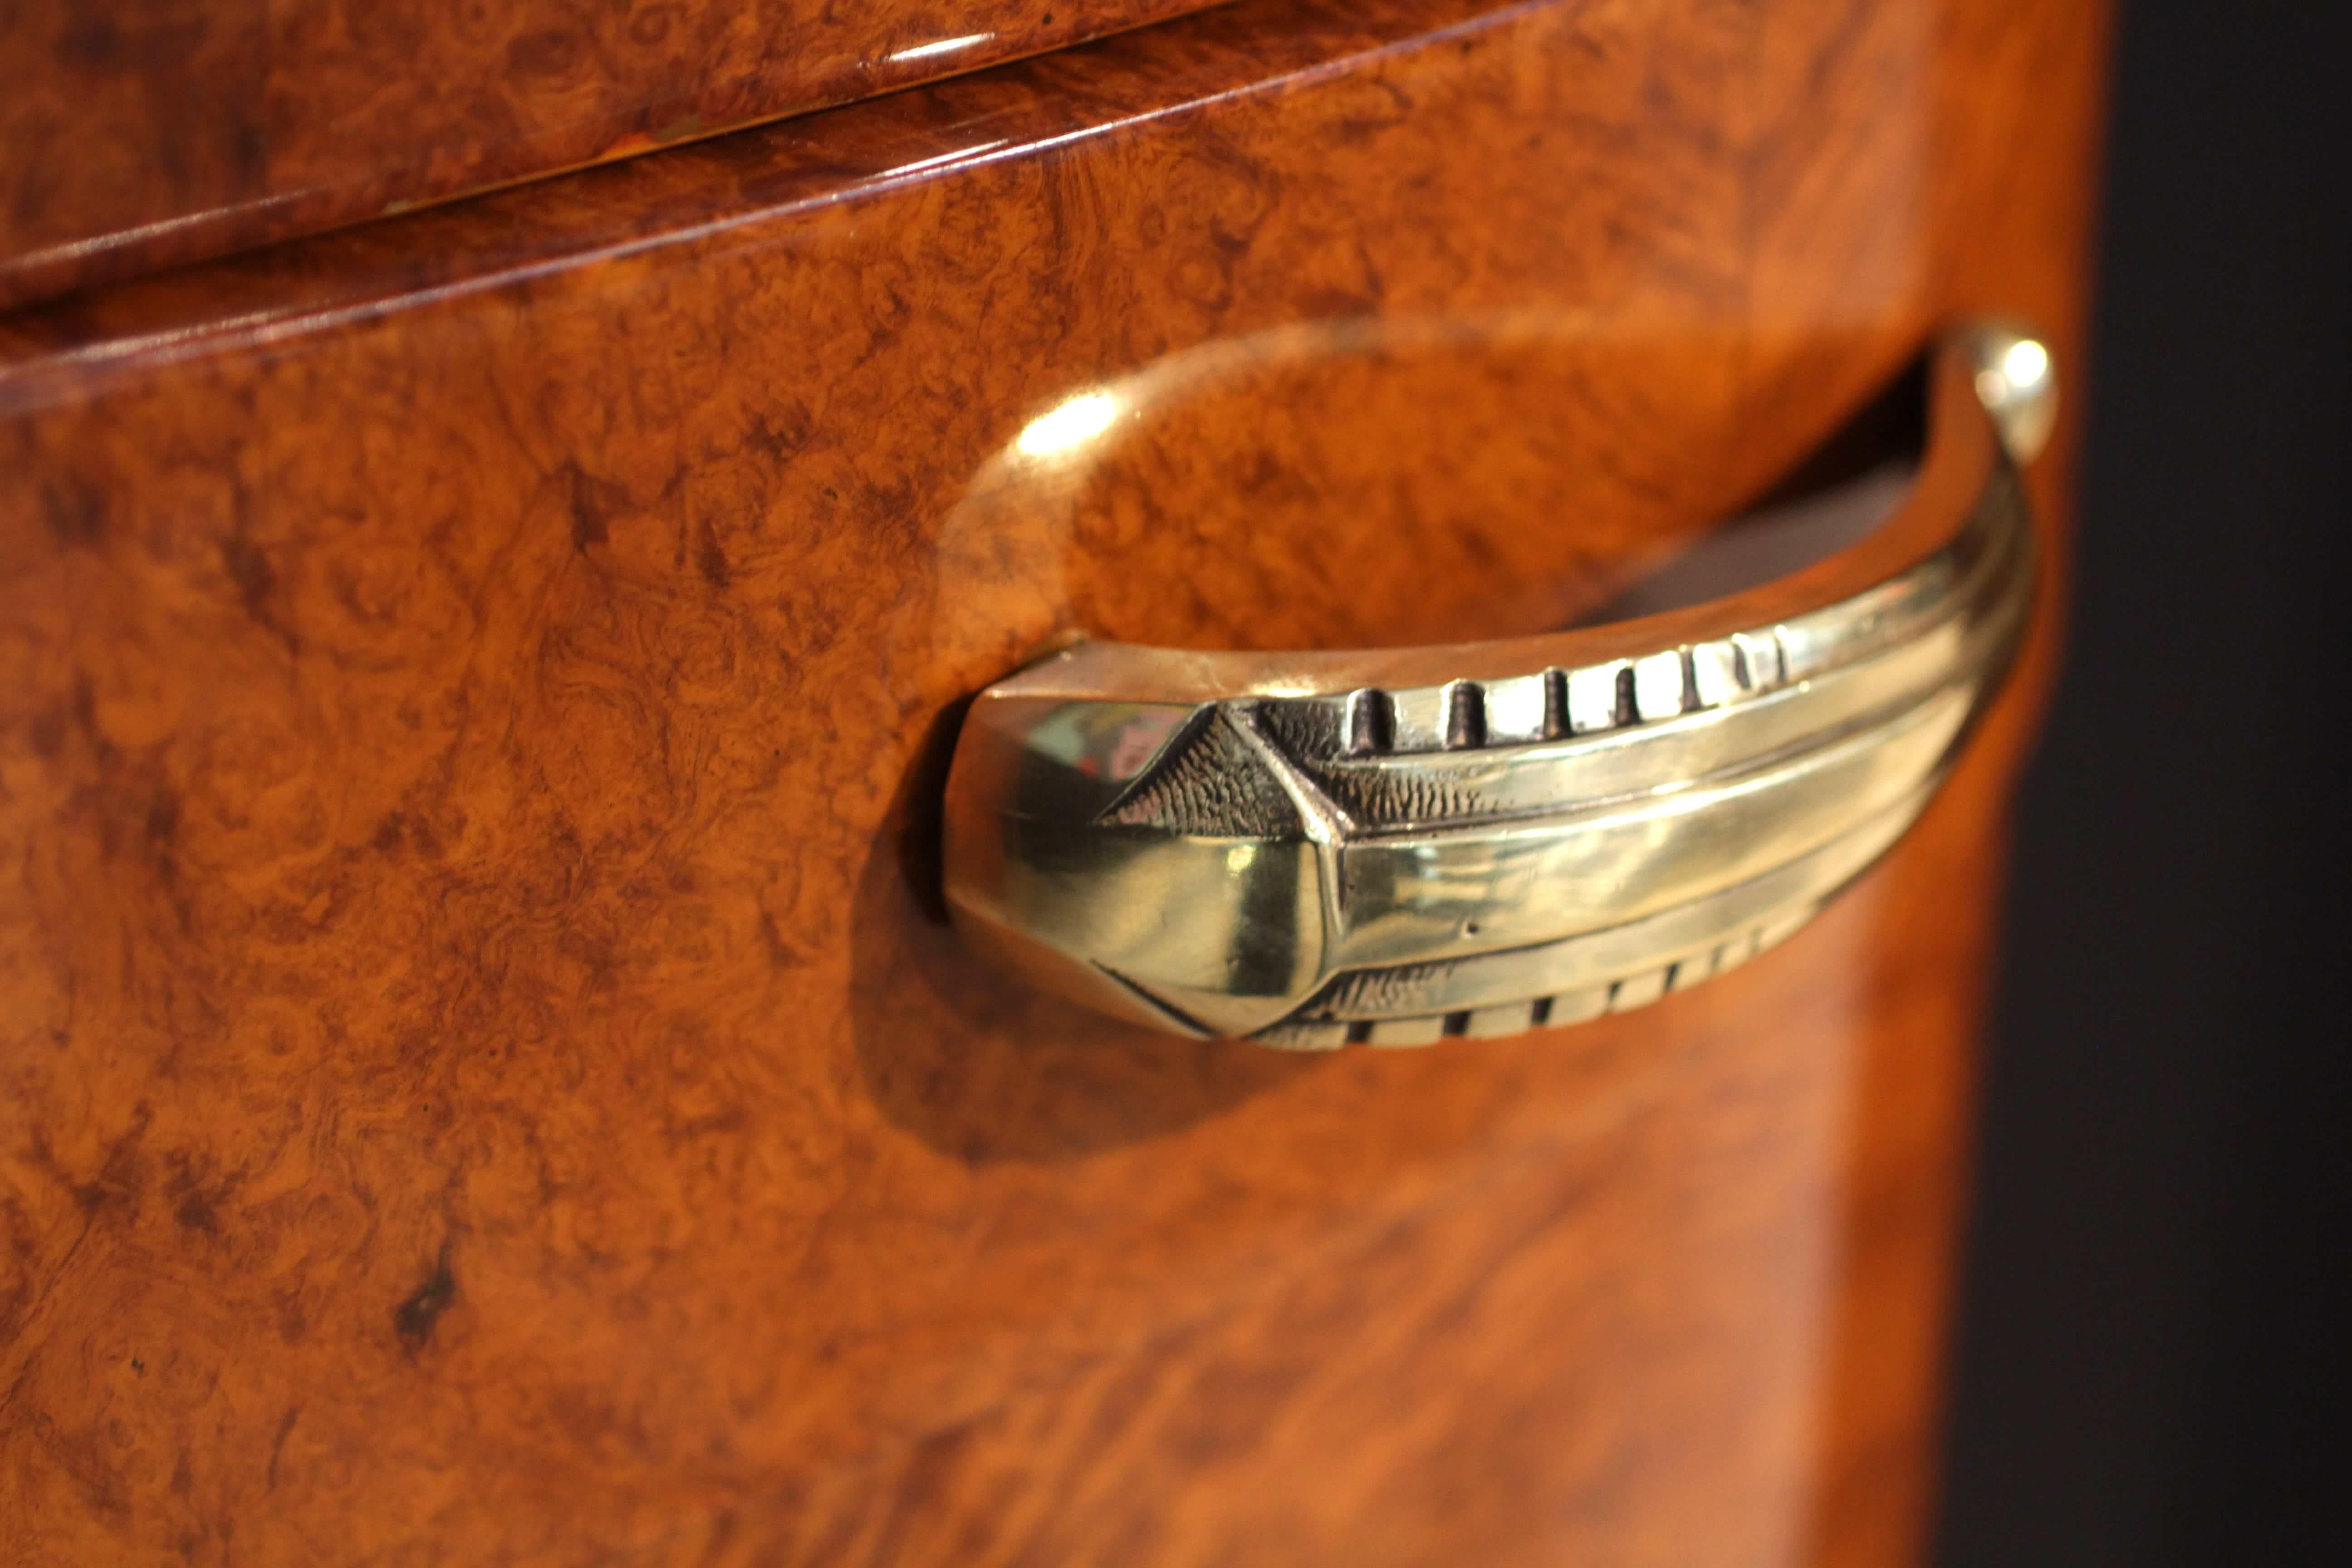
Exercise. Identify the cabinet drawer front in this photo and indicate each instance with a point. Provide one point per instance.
(487, 1073)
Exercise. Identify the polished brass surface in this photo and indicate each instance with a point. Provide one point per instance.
(1388, 847)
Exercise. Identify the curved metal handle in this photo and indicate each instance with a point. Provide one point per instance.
(1317, 850)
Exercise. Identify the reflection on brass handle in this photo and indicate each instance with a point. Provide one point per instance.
(1318, 850)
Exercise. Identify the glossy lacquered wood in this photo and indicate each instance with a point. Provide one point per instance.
(141, 133)
(483, 1076)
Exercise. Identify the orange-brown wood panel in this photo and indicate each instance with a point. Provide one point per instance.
(141, 133)
(482, 1077)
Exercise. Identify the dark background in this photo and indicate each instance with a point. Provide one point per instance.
(2144, 1369)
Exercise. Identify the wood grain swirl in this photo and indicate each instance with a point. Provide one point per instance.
(482, 1075)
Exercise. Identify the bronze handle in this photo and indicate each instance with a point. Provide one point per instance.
(1314, 849)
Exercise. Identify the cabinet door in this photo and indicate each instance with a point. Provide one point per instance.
(485, 1071)
(144, 134)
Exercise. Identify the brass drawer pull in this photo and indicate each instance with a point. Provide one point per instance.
(1316, 849)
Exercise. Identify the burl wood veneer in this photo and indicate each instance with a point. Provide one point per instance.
(139, 133)
(482, 1077)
